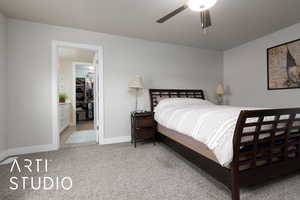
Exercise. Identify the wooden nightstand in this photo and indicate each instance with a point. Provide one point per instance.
(142, 127)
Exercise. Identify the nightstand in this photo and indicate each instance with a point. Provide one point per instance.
(142, 127)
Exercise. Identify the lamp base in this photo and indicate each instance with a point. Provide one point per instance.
(136, 98)
(220, 100)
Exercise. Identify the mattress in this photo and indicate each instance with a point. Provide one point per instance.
(189, 142)
(196, 146)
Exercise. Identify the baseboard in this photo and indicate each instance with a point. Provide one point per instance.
(31, 149)
(116, 140)
(52, 147)
(3, 155)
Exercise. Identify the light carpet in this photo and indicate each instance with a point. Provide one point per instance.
(121, 172)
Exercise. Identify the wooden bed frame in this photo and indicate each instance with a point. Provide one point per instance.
(255, 161)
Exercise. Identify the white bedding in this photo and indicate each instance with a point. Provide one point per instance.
(204, 121)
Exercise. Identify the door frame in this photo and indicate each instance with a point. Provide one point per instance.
(99, 87)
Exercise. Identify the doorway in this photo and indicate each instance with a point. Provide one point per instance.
(77, 94)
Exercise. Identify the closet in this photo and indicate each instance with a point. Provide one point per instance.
(85, 98)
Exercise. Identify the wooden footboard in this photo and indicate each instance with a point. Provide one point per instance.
(266, 144)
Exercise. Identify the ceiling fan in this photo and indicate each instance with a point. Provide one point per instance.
(200, 6)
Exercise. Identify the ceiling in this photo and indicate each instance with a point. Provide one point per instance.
(234, 21)
(76, 54)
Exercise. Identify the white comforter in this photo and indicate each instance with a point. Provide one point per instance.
(204, 121)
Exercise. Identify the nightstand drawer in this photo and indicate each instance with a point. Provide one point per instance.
(143, 127)
(144, 133)
(145, 122)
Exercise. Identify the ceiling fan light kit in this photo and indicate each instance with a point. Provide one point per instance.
(200, 6)
(205, 20)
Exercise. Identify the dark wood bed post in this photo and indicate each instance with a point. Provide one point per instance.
(235, 175)
(270, 152)
(235, 185)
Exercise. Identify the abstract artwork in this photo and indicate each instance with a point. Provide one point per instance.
(284, 66)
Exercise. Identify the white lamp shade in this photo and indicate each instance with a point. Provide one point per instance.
(136, 82)
(220, 89)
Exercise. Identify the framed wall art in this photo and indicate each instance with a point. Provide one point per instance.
(284, 66)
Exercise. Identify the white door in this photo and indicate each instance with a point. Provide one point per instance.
(96, 97)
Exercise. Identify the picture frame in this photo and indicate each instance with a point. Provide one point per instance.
(283, 66)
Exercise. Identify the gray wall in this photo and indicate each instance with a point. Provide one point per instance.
(3, 84)
(162, 65)
(245, 73)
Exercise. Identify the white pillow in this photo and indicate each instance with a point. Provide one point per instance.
(159, 99)
(181, 101)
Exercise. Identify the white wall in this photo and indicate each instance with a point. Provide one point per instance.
(245, 73)
(162, 65)
(3, 84)
(65, 77)
(65, 82)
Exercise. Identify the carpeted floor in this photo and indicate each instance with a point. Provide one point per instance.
(121, 172)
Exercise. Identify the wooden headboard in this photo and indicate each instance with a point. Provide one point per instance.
(173, 93)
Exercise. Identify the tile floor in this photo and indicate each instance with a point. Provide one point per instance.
(82, 133)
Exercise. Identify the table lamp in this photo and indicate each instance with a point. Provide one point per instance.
(220, 92)
(137, 84)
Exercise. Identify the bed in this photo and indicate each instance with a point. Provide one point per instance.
(270, 149)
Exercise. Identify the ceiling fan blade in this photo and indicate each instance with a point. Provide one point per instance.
(172, 14)
(205, 19)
